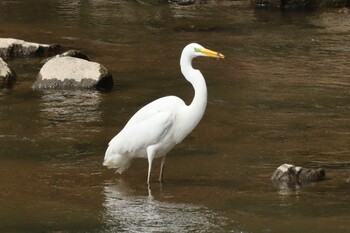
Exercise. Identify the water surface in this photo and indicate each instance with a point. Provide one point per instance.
(280, 96)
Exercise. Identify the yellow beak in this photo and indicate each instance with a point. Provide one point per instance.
(211, 53)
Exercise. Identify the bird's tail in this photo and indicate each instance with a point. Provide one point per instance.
(118, 162)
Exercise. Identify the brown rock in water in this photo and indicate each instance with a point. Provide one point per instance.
(75, 53)
(184, 2)
(293, 175)
(69, 53)
(311, 175)
(299, 4)
(73, 73)
(7, 75)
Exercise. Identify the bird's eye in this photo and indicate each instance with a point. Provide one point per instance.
(197, 50)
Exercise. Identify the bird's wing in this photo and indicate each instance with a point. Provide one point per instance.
(165, 104)
(147, 126)
(141, 134)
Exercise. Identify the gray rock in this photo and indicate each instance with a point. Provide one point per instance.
(73, 73)
(293, 175)
(19, 48)
(7, 75)
(286, 173)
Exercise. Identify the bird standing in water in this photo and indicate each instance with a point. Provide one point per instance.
(157, 127)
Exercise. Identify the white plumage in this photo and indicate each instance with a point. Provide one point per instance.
(157, 127)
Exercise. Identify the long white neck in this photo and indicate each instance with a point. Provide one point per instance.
(195, 111)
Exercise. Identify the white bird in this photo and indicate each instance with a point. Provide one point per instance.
(157, 127)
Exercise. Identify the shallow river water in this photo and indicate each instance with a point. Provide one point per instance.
(282, 95)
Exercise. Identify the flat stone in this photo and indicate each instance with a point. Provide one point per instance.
(10, 47)
(70, 72)
(7, 75)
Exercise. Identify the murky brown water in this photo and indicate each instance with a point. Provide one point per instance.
(282, 95)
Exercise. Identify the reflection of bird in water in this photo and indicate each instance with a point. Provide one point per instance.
(128, 210)
(157, 127)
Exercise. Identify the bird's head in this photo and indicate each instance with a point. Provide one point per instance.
(196, 50)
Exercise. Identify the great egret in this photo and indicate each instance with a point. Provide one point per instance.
(157, 127)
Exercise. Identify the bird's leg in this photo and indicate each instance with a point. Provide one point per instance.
(162, 170)
(150, 156)
(149, 169)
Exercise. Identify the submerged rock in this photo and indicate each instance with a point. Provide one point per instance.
(293, 175)
(311, 175)
(299, 4)
(7, 75)
(284, 4)
(184, 2)
(70, 72)
(75, 53)
(19, 48)
(70, 53)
